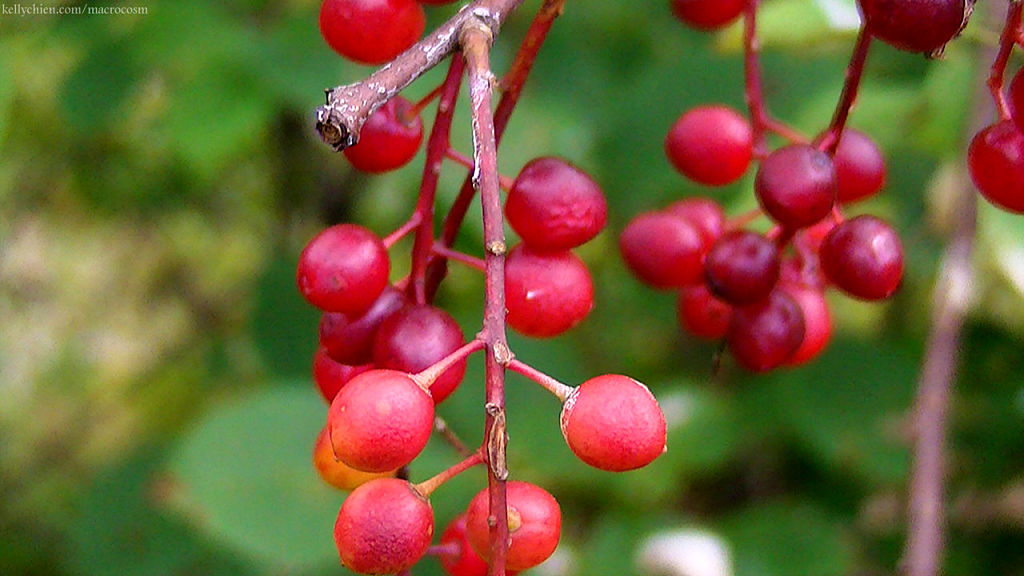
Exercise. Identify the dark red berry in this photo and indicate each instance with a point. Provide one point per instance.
(546, 293)
(388, 139)
(742, 267)
(995, 160)
(554, 206)
(704, 213)
(817, 322)
(766, 334)
(663, 250)
(417, 337)
(371, 31)
(534, 525)
(348, 338)
(1016, 98)
(343, 269)
(860, 167)
(863, 257)
(701, 314)
(614, 423)
(384, 527)
(707, 14)
(711, 145)
(380, 421)
(915, 25)
(796, 185)
(465, 562)
(330, 375)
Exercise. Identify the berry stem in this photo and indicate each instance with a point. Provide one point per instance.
(476, 45)
(441, 425)
(513, 83)
(451, 254)
(556, 387)
(459, 158)
(400, 232)
(434, 371)
(427, 487)
(437, 145)
(1011, 32)
(413, 111)
(447, 549)
(759, 119)
(829, 140)
(341, 118)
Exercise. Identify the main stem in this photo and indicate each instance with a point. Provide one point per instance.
(476, 44)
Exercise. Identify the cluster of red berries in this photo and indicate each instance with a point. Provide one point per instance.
(388, 357)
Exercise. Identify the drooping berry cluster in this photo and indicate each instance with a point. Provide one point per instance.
(764, 292)
(388, 356)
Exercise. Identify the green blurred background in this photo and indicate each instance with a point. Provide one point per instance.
(159, 176)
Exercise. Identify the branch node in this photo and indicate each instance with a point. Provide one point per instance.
(497, 248)
(497, 441)
(502, 354)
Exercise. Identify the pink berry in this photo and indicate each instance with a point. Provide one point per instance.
(915, 25)
(465, 562)
(534, 525)
(371, 31)
(817, 322)
(336, 473)
(380, 421)
(348, 338)
(995, 160)
(546, 294)
(711, 145)
(860, 167)
(863, 257)
(388, 139)
(705, 214)
(663, 250)
(417, 337)
(796, 185)
(707, 14)
(343, 269)
(766, 334)
(701, 314)
(613, 423)
(384, 527)
(554, 206)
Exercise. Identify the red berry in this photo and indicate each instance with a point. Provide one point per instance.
(330, 375)
(863, 257)
(705, 214)
(766, 334)
(701, 314)
(338, 474)
(343, 269)
(388, 139)
(817, 322)
(348, 338)
(860, 167)
(371, 31)
(546, 293)
(380, 421)
(663, 250)
(436, 2)
(384, 527)
(1017, 98)
(915, 25)
(707, 14)
(534, 525)
(796, 185)
(613, 423)
(711, 145)
(742, 267)
(995, 160)
(465, 562)
(554, 206)
(417, 337)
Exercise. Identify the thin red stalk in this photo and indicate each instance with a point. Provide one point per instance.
(1011, 31)
(752, 79)
(829, 140)
(476, 43)
(451, 254)
(437, 147)
(450, 437)
(435, 370)
(400, 232)
(427, 487)
(419, 106)
(513, 85)
(556, 387)
(446, 549)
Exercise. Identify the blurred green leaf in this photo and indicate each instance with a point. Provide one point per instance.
(284, 326)
(246, 478)
(95, 94)
(793, 25)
